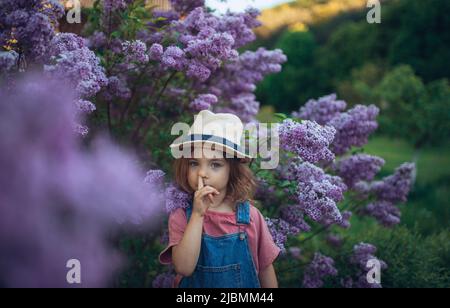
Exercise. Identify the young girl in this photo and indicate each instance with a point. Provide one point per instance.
(221, 239)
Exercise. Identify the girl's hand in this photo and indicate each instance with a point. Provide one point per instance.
(203, 197)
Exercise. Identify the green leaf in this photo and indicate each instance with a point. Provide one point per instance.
(281, 116)
(285, 184)
(115, 34)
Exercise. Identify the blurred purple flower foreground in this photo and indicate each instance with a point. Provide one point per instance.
(59, 200)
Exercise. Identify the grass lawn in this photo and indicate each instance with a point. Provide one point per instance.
(432, 163)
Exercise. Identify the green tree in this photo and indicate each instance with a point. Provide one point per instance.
(401, 96)
(421, 39)
(299, 79)
(410, 109)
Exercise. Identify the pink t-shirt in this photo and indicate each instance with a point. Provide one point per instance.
(264, 250)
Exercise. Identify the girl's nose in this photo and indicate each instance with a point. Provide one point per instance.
(202, 173)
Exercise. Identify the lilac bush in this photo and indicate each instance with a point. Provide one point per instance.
(28, 35)
(187, 48)
(59, 200)
(325, 184)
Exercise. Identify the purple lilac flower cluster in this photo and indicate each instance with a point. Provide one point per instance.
(389, 191)
(204, 45)
(352, 126)
(203, 101)
(280, 230)
(319, 268)
(155, 177)
(294, 215)
(135, 51)
(72, 61)
(308, 140)
(359, 167)
(237, 80)
(362, 253)
(318, 193)
(176, 198)
(321, 110)
(117, 88)
(344, 222)
(28, 26)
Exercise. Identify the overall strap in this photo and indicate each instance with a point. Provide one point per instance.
(189, 211)
(243, 213)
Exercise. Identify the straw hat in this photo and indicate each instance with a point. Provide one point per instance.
(223, 130)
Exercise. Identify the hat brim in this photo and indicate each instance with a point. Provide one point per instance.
(218, 146)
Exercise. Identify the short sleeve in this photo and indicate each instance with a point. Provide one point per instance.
(177, 225)
(268, 251)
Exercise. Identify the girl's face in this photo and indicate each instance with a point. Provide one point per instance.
(215, 172)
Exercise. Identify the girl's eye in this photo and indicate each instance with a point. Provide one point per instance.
(213, 165)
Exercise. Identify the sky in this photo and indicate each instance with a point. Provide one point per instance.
(241, 5)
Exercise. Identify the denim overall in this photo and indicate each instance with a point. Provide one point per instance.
(224, 261)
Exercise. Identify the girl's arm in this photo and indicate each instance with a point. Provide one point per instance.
(267, 277)
(185, 254)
